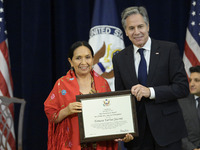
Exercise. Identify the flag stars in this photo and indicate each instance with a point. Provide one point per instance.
(1, 19)
(193, 23)
(193, 13)
(199, 32)
(1, 10)
(194, 3)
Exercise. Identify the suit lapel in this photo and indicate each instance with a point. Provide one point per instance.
(193, 108)
(130, 64)
(154, 59)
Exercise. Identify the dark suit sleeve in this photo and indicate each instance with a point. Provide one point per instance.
(187, 145)
(172, 82)
(188, 106)
(118, 80)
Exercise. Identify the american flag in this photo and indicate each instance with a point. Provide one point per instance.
(6, 87)
(191, 55)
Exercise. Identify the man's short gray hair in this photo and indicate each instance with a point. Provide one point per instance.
(134, 10)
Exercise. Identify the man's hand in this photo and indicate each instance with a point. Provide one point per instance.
(140, 91)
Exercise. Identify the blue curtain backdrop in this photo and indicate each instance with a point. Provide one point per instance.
(40, 33)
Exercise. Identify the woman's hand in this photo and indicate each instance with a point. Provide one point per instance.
(72, 108)
(127, 138)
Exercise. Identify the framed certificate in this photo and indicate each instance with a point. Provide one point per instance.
(107, 116)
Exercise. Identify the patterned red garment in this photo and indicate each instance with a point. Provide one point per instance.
(65, 135)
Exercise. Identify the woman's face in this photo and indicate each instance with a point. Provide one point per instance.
(82, 60)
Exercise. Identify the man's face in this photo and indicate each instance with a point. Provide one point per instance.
(194, 83)
(137, 30)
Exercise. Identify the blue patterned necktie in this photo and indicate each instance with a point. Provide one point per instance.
(142, 69)
(198, 106)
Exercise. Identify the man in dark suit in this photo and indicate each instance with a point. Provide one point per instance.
(160, 121)
(190, 107)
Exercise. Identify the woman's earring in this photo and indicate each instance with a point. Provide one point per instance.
(72, 68)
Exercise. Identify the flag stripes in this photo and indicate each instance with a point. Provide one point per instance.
(7, 134)
(191, 55)
(5, 71)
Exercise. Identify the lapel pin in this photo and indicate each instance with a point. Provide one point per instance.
(157, 53)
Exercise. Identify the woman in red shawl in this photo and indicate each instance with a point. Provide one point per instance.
(61, 107)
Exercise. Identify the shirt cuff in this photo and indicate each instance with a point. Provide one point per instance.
(152, 91)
